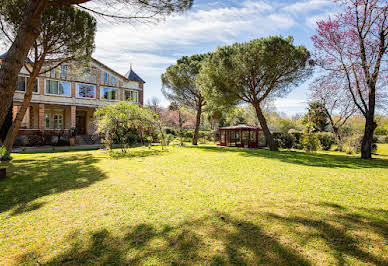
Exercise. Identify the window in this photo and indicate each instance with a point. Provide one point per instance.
(55, 87)
(132, 96)
(58, 121)
(47, 121)
(63, 71)
(86, 91)
(106, 78)
(110, 94)
(114, 81)
(22, 84)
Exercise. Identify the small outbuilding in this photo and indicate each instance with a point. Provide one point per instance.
(242, 136)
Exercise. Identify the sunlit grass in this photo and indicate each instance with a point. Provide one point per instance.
(194, 205)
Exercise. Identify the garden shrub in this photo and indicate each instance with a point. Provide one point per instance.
(5, 155)
(327, 140)
(169, 139)
(386, 139)
(310, 142)
(381, 130)
(40, 139)
(284, 140)
(353, 144)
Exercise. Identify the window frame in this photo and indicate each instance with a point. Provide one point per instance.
(63, 71)
(131, 91)
(114, 84)
(25, 84)
(47, 116)
(102, 93)
(58, 116)
(58, 81)
(106, 78)
(78, 88)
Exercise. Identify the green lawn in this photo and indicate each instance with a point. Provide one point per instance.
(205, 205)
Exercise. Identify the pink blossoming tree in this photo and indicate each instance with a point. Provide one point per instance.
(354, 44)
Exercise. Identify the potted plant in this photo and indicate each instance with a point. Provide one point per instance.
(72, 138)
(5, 155)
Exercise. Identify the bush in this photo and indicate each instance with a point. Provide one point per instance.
(285, 140)
(386, 139)
(326, 139)
(169, 139)
(40, 139)
(131, 138)
(5, 155)
(353, 144)
(381, 130)
(310, 142)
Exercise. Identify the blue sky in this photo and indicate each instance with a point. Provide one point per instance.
(150, 48)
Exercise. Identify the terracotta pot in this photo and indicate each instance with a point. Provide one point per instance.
(72, 141)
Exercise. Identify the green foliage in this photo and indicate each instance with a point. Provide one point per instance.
(310, 142)
(119, 122)
(179, 81)
(381, 130)
(285, 140)
(353, 144)
(5, 155)
(261, 68)
(327, 140)
(316, 117)
(65, 32)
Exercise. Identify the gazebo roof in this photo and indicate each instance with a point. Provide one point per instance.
(242, 126)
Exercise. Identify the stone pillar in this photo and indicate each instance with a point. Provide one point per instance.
(73, 90)
(41, 116)
(41, 86)
(72, 116)
(141, 94)
(31, 109)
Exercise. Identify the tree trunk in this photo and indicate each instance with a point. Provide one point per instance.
(197, 124)
(6, 125)
(268, 136)
(17, 53)
(367, 139)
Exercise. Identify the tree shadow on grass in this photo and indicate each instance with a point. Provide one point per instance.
(338, 231)
(220, 239)
(302, 158)
(243, 243)
(28, 180)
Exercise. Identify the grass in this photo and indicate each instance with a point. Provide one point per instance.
(194, 205)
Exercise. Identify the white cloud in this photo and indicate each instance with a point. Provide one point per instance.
(307, 6)
(152, 47)
(283, 103)
(312, 20)
(201, 26)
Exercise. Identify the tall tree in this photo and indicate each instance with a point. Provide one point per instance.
(29, 29)
(255, 72)
(316, 117)
(336, 102)
(354, 44)
(180, 86)
(66, 35)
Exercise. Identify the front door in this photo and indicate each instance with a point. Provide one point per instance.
(80, 120)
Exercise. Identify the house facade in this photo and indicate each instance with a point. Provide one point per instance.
(66, 98)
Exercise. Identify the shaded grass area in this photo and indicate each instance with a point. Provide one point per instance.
(323, 159)
(194, 205)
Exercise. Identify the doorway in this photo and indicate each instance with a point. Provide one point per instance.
(80, 122)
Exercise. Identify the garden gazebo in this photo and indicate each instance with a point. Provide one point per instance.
(242, 136)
